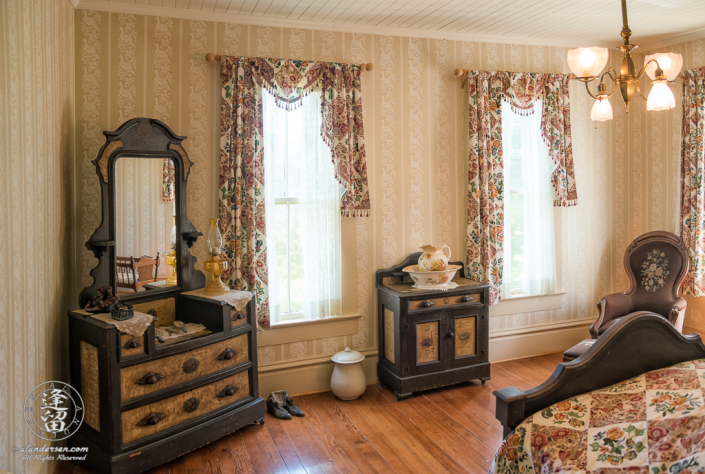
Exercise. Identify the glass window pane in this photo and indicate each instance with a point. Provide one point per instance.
(281, 237)
(517, 244)
(296, 260)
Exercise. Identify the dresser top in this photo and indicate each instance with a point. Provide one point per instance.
(400, 288)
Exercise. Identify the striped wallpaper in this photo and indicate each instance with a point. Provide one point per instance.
(36, 208)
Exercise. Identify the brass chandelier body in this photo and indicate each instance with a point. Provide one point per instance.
(628, 78)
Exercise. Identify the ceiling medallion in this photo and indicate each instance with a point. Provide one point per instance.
(662, 68)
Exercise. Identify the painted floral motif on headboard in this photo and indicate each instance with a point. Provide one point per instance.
(654, 270)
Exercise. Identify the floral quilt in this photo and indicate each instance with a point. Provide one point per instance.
(651, 424)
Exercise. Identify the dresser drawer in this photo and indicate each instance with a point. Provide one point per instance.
(159, 374)
(237, 318)
(158, 416)
(131, 346)
(430, 303)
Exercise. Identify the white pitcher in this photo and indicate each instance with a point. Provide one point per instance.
(434, 259)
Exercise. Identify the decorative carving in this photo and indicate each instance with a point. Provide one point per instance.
(102, 162)
(187, 161)
(150, 379)
(190, 366)
(191, 405)
(427, 349)
(465, 336)
(152, 419)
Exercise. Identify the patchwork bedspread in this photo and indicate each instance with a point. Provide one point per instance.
(653, 423)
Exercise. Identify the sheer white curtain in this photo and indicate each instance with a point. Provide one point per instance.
(302, 203)
(529, 244)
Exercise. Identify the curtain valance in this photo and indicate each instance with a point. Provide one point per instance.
(342, 126)
(487, 90)
(693, 179)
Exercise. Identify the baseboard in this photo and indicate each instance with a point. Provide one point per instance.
(308, 375)
(524, 342)
(312, 374)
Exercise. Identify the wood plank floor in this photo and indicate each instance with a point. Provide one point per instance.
(448, 430)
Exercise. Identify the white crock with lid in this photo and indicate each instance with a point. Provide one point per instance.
(348, 380)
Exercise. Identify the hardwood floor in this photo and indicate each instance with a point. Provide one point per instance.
(448, 430)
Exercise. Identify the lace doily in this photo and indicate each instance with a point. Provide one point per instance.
(135, 326)
(236, 298)
(448, 286)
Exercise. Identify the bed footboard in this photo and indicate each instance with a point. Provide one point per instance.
(635, 344)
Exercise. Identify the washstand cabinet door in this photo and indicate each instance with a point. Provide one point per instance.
(466, 336)
(425, 350)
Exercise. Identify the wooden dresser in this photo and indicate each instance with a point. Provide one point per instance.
(147, 402)
(430, 338)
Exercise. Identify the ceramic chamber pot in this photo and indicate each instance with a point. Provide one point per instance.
(348, 381)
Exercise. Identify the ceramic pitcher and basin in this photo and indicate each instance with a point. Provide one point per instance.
(433, 270)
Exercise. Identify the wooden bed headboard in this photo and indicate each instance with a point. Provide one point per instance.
(635, 344)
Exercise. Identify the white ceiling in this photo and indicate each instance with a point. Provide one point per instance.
(567, 22)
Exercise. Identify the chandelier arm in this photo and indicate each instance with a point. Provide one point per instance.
(609, 72)
(638, 89)
(588, 91)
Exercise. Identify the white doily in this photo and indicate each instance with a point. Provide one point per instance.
(448, 286)
(236, 298)
(135, 326)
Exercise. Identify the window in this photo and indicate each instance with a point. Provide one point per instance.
(302, 206)
(529, 244)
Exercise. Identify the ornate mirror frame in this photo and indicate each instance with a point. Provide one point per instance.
(141, 138)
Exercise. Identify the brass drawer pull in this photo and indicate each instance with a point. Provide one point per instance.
(228, 391)
(150, 379)
(227, 354)
(466, 298)
(132, 344)
(151, 419)
(426, 304)
(237, 316)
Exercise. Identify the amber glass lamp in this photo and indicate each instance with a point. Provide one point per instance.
(171, 258)
(215, 264)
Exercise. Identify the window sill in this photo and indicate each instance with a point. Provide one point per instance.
(298, 330)
(527, 304)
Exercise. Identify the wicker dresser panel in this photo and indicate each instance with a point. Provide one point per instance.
(180, 408)
(159, 374)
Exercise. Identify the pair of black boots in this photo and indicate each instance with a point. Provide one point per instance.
(282, 406)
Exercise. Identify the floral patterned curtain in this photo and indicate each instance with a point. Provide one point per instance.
(241, 206)
(168, 188)
(693, 179)
(242, 221)
(485, 233)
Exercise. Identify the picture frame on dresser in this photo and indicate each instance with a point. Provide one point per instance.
(149, 399)
(430, 338)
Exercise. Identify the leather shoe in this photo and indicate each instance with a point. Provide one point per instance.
(292, 408)
(276, 402)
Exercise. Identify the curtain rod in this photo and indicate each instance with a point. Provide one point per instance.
(210, 57)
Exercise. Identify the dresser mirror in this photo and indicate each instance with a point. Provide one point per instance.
(145, 224)
(143, 244)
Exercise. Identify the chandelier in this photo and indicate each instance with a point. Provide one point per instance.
(662, 69)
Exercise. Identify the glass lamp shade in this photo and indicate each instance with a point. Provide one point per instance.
(586, 62)
(661, 97)
(601, 111)
(215, 240)
(172, 236)
(670, 63)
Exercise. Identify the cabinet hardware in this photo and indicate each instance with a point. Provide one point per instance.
(237, 316)
(426, 304)
(452, 334)
(132, 344)
(151, 419)
(227, 354)
(465, 299)
(228, 391)
(150, 379)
